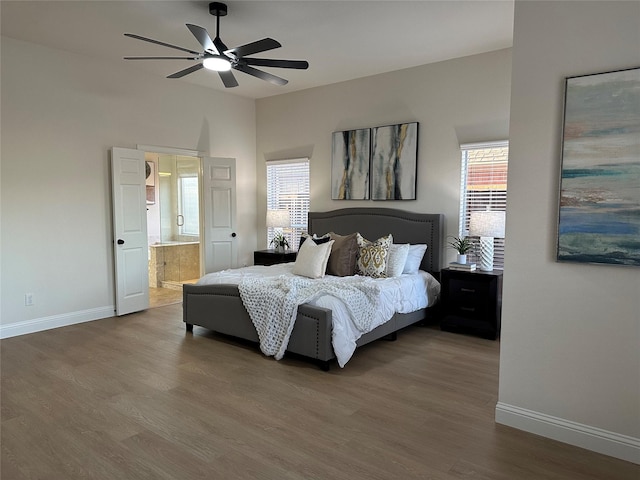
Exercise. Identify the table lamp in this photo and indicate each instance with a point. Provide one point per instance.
(278, 219)
(487, 225)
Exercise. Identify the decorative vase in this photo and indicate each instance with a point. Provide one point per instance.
(462, 259)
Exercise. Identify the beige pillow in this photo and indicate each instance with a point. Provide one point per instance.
(342, 261)
(372, 256)
(311, 260)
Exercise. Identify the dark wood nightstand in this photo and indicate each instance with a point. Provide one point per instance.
(271, 257)
(471, 302)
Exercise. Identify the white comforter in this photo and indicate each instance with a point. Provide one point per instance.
(403, 294)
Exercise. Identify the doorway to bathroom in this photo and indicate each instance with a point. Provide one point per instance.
(173, 224)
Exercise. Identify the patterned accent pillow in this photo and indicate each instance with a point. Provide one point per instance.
(372, 256)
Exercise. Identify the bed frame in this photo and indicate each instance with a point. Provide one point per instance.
(219, 307)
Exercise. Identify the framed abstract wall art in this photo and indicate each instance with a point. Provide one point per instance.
(394, 155)
(599, 214)
(350, 153)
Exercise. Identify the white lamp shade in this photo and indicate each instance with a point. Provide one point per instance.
(278, 218)
(487, 224)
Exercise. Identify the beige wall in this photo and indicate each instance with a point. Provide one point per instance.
(570, 353)
(457, 101)
(60, 115)
(569, 348)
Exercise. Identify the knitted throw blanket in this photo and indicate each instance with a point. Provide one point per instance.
(273, 303)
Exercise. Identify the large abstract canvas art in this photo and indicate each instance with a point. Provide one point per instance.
(394, 154)
(599, 219)
(350, 164)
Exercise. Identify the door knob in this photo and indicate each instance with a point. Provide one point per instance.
(120, 241)
(233, 234)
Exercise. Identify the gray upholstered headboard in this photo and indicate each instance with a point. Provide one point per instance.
(373, 223)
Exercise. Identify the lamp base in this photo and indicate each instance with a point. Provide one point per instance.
(486, 254)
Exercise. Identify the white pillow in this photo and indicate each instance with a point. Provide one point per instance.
(397, 259)
(416, 252)
(312, 259)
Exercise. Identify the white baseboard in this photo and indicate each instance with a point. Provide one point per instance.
(585, 436)
(55, 321)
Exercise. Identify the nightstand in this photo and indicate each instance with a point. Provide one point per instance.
(271, 257)
(471, 302)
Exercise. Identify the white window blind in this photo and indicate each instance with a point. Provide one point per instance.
(483, 186)
(288, 188)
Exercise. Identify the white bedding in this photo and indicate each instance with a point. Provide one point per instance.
(403, 294)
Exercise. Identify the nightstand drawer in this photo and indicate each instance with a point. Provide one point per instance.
(467, 290)
(464, 324)
(477, 309)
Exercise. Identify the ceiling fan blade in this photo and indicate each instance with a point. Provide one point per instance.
(203, 37)
(268, 62)
(262, 75)
(186, 71)
(254, 47)
(161, 58)
(150, 40)
(228, 79)
(220, 45)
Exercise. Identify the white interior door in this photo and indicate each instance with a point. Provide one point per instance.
(219, 243)
(130, 242)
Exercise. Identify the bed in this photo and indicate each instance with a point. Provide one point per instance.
(219, 307)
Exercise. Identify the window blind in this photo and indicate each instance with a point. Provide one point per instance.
(483, 186)
(288, 188)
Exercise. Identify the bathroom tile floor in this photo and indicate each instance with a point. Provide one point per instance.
(159, 297)
(172, 293)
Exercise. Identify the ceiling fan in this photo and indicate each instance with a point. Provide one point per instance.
(218, 57)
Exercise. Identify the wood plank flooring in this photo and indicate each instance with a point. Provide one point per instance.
(136, 397)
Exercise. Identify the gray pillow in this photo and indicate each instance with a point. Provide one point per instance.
(342, 261)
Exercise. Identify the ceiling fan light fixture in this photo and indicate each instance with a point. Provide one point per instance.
(217, 63)
(216, 56)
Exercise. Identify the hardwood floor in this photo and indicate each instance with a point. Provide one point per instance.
(136, 397)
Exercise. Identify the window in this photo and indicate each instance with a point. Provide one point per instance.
(484, 187)
(288, 188)
(188, 206)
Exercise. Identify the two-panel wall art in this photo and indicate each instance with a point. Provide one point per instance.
(377, 163)
(599, 218)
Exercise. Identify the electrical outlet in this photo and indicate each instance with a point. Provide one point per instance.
(28, 299)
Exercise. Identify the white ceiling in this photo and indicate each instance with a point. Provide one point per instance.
(341, 40)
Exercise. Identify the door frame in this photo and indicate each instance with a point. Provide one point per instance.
(187, 153)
